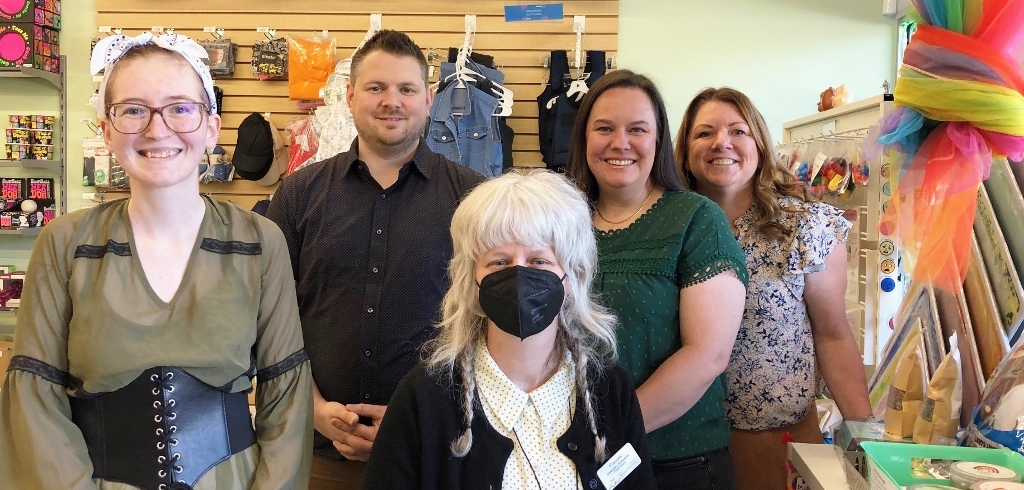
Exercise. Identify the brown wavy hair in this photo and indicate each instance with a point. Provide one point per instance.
(772, 179)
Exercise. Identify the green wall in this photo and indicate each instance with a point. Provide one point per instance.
(781, 53)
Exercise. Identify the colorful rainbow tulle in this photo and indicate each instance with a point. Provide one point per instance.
(959, 104)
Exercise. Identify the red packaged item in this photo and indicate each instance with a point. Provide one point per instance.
(304, 143)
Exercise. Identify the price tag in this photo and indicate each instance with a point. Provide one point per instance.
(157, 29)
(323, 33)
(263, 29)
(819, 161)
(105, 29)
(210, 29)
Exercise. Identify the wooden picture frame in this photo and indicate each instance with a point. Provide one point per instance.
(984, 314)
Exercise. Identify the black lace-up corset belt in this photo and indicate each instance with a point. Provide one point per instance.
(163, 430)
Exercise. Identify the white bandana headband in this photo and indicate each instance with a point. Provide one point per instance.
(111, 48)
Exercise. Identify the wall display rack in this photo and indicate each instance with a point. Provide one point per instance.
(57, 167)
(877, 283)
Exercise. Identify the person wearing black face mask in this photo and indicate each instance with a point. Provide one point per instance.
(520, 389)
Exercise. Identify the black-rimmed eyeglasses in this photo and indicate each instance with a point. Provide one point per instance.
(180, 117)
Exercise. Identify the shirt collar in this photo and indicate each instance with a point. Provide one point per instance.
(421, 160)
(507, 401)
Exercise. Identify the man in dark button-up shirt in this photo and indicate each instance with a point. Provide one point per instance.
(368, 233)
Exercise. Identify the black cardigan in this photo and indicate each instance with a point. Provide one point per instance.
(413, 446)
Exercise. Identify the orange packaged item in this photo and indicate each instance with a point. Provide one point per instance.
(310, 62)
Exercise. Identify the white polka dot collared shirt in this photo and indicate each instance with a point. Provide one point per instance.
(539, 418)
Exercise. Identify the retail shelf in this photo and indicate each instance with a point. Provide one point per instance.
(51, 165)
(34, 231)
(28, 72)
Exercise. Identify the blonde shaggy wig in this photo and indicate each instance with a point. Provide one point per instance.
(540, 209)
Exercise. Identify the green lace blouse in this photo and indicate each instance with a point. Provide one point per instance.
(682, 240)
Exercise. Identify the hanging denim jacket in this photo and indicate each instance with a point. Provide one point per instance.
(471, 139)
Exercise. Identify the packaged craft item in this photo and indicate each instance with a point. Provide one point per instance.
(939, 417)
(906, 393)
(999, 420)
(965, 474)
(310, 62)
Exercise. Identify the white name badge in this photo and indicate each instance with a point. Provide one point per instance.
(619, 466)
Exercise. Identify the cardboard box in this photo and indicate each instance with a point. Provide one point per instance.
(42, 12)
(30, 45)
(12, 191)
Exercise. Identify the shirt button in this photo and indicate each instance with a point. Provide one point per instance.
(379, 231)
(375, 270)
(593, 483)
(444, 138)
(476, 134)
(367, 397)
(367, 353)
(369, 310)
(383, 196)
(572, 446)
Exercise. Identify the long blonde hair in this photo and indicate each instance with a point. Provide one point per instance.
(536, 208)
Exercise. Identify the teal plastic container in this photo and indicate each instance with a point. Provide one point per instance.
(889, 462)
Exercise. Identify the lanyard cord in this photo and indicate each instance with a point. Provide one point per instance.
(523, 449)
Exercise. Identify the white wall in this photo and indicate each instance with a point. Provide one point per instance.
(781, 53)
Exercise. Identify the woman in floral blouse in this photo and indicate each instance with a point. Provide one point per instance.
(795, 322)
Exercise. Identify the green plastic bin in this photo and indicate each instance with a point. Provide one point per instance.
(889, 462)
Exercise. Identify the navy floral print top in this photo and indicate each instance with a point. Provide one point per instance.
(772, 377)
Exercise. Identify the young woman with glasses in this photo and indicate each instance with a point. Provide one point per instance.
(144, 320)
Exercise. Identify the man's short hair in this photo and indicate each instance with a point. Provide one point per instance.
(395, 43)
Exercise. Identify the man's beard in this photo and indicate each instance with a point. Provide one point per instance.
(390, 141)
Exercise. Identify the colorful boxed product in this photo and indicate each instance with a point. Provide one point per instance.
(41, 136)
(43, 12)
(22, 121)
(29, 45)
(17, 151)
(12, 191)
(41, 152)
(19, 136)
(43, 122)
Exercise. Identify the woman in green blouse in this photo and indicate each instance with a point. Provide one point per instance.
(671, 270)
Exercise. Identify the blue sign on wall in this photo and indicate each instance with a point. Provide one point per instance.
(522, 13)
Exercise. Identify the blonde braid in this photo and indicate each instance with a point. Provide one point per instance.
(460, 447)
(582, 363)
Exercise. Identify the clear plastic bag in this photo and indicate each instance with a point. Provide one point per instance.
(310, 63)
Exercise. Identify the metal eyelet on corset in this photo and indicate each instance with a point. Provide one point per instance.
(160, 445)
(157, 405)
(162, 473)
(154, 378)
(159, 431)
(163, 486)
(158, 418)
